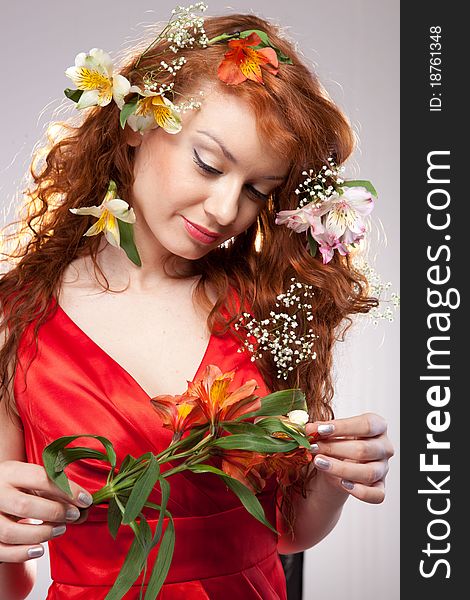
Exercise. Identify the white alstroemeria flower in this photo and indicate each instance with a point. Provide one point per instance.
(94, 74)
(345, 212)
(108, 212)
(298, 417)
(154, 110)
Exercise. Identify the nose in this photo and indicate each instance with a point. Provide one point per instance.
(223, 203)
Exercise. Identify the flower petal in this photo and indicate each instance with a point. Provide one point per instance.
(120, 209)
(111, 229)
(121, 87)
(95, 211)
(87, 99)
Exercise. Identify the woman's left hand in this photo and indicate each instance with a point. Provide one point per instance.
(354, 455)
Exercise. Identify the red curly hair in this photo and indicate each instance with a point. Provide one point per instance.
(297, 119)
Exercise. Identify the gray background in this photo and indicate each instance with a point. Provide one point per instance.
(354, 45)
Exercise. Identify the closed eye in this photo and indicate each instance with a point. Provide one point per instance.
(204, 166)
(208, 169)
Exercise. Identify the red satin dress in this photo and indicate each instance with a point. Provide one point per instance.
(221, 552)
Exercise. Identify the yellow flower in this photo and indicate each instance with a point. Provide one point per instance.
(211, 393)
(154, 110)
(93, 73)
(111, 209)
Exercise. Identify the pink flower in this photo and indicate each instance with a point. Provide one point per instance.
(301, 219)
(328, 243)
(344, 213)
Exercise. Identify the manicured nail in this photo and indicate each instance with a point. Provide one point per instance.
(85, 499)
(59, 530)
(325, 429)
(35, 552)
(321, 463)
(349, 485)
(314, 447)
(72, 514)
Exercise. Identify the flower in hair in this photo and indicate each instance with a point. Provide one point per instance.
(97, 84)
(154, 110)
(243, 61)
(331, 211)
(115, 219)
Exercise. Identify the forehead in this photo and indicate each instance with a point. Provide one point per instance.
(230, 120)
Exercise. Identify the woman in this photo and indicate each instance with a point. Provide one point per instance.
(119, 322)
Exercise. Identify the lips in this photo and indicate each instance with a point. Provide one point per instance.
(201, 234)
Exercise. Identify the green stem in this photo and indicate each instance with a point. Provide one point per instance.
(222, 37)
(198, 459)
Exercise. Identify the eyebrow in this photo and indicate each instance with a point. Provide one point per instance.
(230, 156)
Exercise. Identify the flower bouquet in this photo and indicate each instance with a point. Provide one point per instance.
(254, 437)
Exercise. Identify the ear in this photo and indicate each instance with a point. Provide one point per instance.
(133, 138)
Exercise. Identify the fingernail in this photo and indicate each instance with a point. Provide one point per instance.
(72, 514)
(35, 552)
(85, 499)
(59, 530)
(314, 447)
(321, 463)
(349, 485)
(324, 429)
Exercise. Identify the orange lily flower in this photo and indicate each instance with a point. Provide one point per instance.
(241, 465)
(212, 395)
(254, 469)
(286, 465)
(178, 413)
(243, 62)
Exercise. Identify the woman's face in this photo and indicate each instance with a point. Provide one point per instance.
(215, 175)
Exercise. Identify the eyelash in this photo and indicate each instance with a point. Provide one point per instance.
(207, 169)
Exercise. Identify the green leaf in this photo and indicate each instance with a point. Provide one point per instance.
(127, 242)
(249, 442)
(273, 425)
(234, 427)
(165, 490)
(141, 490)
(312, 243)
(246, 496)
(278, 403)
(114, 517)
(69, 455)
(128, 462)
(133, 563)
(361, 183)
(162, 562)
(74, 95)
(127, 110)
(52, 455)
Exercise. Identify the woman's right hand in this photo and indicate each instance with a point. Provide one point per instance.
(26, 492)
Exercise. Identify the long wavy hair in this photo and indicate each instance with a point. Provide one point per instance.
(296, 117)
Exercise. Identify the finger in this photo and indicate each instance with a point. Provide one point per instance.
(364, 450)
(367, 473)
(32, 476)
(12, 532)
(17, 554)
(365, 425)
(29, 506)
(83, 516)
(373, 494)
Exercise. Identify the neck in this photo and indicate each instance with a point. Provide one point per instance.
(120, 271)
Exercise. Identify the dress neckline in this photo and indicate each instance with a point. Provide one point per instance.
(114, 361)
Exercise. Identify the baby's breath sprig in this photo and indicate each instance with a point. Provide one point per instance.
(318, 187)
(378, 289)
(184, 29)
(279, 334)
